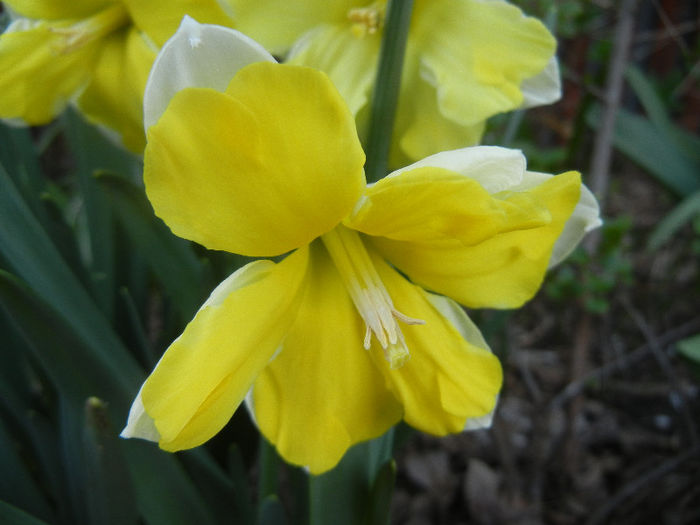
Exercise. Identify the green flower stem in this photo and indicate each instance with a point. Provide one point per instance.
(386, 88)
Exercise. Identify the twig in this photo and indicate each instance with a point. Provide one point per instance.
(677, 394)
(602, 149)
(576, 387)
(635, 485)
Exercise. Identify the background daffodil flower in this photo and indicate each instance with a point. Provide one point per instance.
(466, 60)
(332, 345)
(96, 52)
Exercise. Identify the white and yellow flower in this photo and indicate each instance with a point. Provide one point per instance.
(466, 60)
(96, 52)
(342, 338)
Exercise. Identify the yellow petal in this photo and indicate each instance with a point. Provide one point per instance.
(54, 10)
(422, 130)
(322, 393)
(502, 271)
(451, 376)
(267, 167)
(276, 24)
(350, 62)
(159, 20)
(479, 57)
(40, 73)
(429, 204)
(205, 373)
(114, 96)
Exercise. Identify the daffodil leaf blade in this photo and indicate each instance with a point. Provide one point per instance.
(11, 514)
(171, 260)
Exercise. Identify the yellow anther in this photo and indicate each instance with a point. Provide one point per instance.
(367, 20)
(92, 28)
(369, 295)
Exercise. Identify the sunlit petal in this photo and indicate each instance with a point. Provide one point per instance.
(113, 97)
(197, 55)
(56, 10)
(259, 170)
(206, 372)
(322, 393)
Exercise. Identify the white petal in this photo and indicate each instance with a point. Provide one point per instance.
(140, 424)
(495, 168)
(197, 55)
(544, 88)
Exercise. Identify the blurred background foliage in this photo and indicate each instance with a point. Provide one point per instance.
(600, 408)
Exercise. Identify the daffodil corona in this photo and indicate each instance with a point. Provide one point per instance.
(96, 52)
(341, 339)
(466, 60)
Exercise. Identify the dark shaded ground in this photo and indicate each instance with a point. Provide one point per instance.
(599, 420)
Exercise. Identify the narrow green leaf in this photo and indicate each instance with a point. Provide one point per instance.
(690, 348)
(34, 258)
(343, 496)
(19, 488)
(386, 87)
(642, 142)
(11, 515)
(110, 499)
(241, 492)
(380, 507)
(171, 259)
(674, 220)
(272, 512)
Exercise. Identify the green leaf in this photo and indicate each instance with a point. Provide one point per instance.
(241, 492)
(344, 495)
(272, 512)
(171, 259)
(653, 150)
(380, 506)
(110, 499)
(690, 348)
(10, 515)
(674, 220)
(30, 253)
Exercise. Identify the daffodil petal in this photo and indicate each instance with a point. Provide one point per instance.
(277, 24)
(114, 96)
(480, 56)
(495, 168)
(205, 373)
(422, 130)
(40, 74)
(502, 271)
(159, 20)
(544, 88)
(349, 61)
(451, 376)
(53, 10)
(585, 217)
(435, 205)
(197, 55)
(322, 393)
(265, 168)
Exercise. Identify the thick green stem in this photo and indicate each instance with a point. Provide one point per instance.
(387, 87)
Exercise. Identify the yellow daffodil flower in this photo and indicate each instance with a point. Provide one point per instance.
(341, 339)
(96, 52)
(466, 60)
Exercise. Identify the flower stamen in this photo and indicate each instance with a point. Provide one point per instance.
(367, 20)
(369, 295)
(92, 28)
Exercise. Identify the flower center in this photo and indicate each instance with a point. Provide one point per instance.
(92, 28)
(367, 20)
(368, 293)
